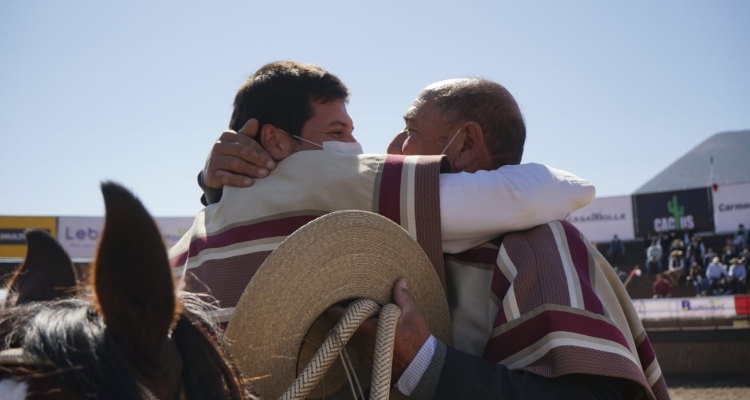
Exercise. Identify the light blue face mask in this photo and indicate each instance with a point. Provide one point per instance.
(452, 139)
(335, 146)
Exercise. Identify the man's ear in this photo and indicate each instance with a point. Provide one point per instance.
(474, 154)
(276, 142)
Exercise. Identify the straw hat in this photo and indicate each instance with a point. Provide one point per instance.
(277, 325)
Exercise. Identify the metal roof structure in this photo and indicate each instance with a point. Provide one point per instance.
(731, 159)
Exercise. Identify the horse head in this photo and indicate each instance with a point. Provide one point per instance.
(126, 335)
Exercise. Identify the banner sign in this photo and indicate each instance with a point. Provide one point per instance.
(173, 228)
(12, 239)
(684, 210)
(79, 236)
(692, 307)
(604, 218)
(731, 207)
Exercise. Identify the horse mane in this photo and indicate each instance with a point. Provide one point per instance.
(136, 338)
(68, 339)
(203, 349)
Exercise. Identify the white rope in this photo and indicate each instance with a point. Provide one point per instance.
(351, 375)
(357, 313)
(380, 386)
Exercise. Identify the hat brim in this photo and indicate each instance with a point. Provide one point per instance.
(340, 256)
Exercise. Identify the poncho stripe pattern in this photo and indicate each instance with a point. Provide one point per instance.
(229, 240)
(556, 307)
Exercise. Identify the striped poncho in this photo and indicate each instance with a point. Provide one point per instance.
(229, 240)
(546, 301)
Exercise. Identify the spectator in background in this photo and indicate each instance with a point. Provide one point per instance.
(677, 245)
(741, 232)
(653, 257)
(616, 249)
(722, 287)
(727, 253)
(714, 273)
(737, 276)
(695, 251)
(710, 254)
(665, 244)
(662, 288)
(738, 243)
(648, 241)
(695, 278)
(745, 253)
(676, 267)
(685, 237)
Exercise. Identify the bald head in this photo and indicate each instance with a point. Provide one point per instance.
(488, 104)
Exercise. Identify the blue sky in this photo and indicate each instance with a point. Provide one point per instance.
(137, 92)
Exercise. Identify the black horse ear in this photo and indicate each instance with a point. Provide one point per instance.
(46, 274)
(132, 278)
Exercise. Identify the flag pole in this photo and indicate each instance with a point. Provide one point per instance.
(714, 185)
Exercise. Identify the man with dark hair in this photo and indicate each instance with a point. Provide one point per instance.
(286, 88)
(298, 107)
(523, 305)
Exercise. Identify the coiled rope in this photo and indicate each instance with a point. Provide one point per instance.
(356, 314)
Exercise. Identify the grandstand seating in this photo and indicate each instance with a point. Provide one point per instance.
(635, 254)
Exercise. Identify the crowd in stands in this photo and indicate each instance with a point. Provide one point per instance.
(685, 260)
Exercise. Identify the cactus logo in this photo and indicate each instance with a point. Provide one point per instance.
(676, 210)
(684, 210)
(677, 221)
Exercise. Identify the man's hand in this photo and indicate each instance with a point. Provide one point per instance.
(411, 331)
(237, 158)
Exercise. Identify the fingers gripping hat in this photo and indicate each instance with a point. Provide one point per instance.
(277, 326)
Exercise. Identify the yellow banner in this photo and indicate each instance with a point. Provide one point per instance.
(12, 241)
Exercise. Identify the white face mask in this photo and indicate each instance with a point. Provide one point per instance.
(452, 139)
(343, 147)
(335, 146)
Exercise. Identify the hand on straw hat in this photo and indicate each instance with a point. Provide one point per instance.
(411, 331)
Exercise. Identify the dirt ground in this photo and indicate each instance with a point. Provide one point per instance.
(709, 388)
(711, 393)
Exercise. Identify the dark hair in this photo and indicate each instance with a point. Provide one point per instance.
(491, 106)
(68, 339)
(281, 93)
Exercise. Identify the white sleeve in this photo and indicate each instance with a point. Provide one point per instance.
(476, 207)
